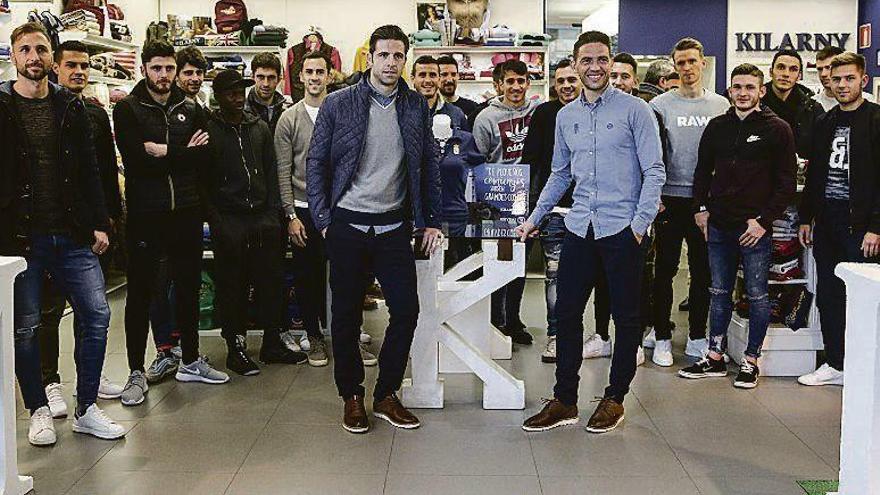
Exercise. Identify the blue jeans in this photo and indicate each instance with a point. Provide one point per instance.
(552, 234)
(725, 252)
(77, 273)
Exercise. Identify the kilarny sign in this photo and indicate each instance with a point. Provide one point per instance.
(770, 42)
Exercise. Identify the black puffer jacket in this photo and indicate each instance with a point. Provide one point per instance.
(83, 198)
(279, 105)
(241, 174)
(799, 110)
(159, 184)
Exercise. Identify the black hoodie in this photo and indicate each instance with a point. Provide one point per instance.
(745, 169)
(799, 110)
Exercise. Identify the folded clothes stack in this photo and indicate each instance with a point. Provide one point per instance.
(269, 36)
(81, 20)
(425, 37)
(5, 52)
(127, 60)
(787, 226)
(533, 39)
(501, 35)
(219, 63)
(4, 7)
(789, 305)
(105, 65)
(119, 30)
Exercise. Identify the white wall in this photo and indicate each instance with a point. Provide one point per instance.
(787, 16)
(346, 24)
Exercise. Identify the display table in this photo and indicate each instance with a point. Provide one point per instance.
(454, 333)
(860, 423)
(11, 483)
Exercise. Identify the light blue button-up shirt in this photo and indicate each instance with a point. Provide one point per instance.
(611, 149)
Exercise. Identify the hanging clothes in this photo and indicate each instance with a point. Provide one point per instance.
(361, 56)
(313, 41)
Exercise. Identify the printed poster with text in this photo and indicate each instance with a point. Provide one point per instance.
(501, 199)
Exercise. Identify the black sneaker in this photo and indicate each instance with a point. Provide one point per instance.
(704, 368)
(747, 376)
(270, 353)
(237, 359)
(518, 335)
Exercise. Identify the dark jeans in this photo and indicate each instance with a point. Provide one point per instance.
(507, 301)
(177, 236)
(165, 334)
(390, 256)
(674, 225)
(247, 247)
(310, 276)
(602, 300)
(834, 242)
(552, 235)
(76, 272)
(725, 253)
(580, 264)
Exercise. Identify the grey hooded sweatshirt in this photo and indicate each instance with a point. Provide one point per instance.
(500, 131)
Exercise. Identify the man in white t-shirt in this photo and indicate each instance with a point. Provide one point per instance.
(823, 66)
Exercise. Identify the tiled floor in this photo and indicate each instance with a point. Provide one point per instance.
(279, 433)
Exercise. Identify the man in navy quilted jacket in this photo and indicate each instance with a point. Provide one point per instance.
(372, 178)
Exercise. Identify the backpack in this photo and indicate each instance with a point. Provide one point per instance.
(229, 15)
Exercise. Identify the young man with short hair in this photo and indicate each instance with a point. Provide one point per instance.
(683, 114)
(57, 220)
(745, 178)
(840, 212)
(265, 100)
(657, 80)
(191, 68)
(624, 73)
(426, 80)
(538, 153)
(161, 137)
(608, 143)
(292, 138)
(72, 67)
(449, 85)
(791, 101)
(367, 193)
(823, 67)
(500, 131)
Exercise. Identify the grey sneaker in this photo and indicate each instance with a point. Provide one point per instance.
(368, 357)
(135, 388)
(318, 353)
(200, 371)
(162, 367)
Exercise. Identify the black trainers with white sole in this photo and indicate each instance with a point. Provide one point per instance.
(704, 368)
(747, 376)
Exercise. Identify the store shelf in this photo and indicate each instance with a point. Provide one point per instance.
(480, 49)
(537, 82)
(237, 50)
(111, 81)
(98, 42)
(774, 330)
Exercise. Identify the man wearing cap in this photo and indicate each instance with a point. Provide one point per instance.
(243, 206)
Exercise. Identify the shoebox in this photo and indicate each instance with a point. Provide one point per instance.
(786, 352)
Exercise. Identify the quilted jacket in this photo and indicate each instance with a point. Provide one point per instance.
(338, 143)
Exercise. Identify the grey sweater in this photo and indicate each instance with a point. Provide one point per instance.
(684, 120)
(500, 131)
(292, 138)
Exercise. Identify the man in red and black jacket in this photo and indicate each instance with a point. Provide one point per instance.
(745, 178)
(840, 212)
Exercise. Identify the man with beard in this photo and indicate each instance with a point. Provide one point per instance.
(264, 100)
(449, 85)
(426, 77)
(791, 101)
(372, 178)
(191, 67)
(161, 136)
(499, 132)
(243, 206)
(608, 142)
(72, 68)
(840, 212)
(741, 186)
(538, 153)
(826, 97)
(56, 219)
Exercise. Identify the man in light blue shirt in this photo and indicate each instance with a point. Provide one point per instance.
(608, 142)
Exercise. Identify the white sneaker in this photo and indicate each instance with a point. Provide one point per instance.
(42, 429)
(697, 348)
(289, 341)
(663, 353)
(366, 338)
(57, 406)
(650, 339)
(96, 423)
(549, 354)
(595, 347)
(825, 375)
(108, 390)
(640, 356)
(305, 344)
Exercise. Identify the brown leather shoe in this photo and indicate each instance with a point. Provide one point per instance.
(608, 415)
(390, 409)
(554, 414)
(355, 419)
